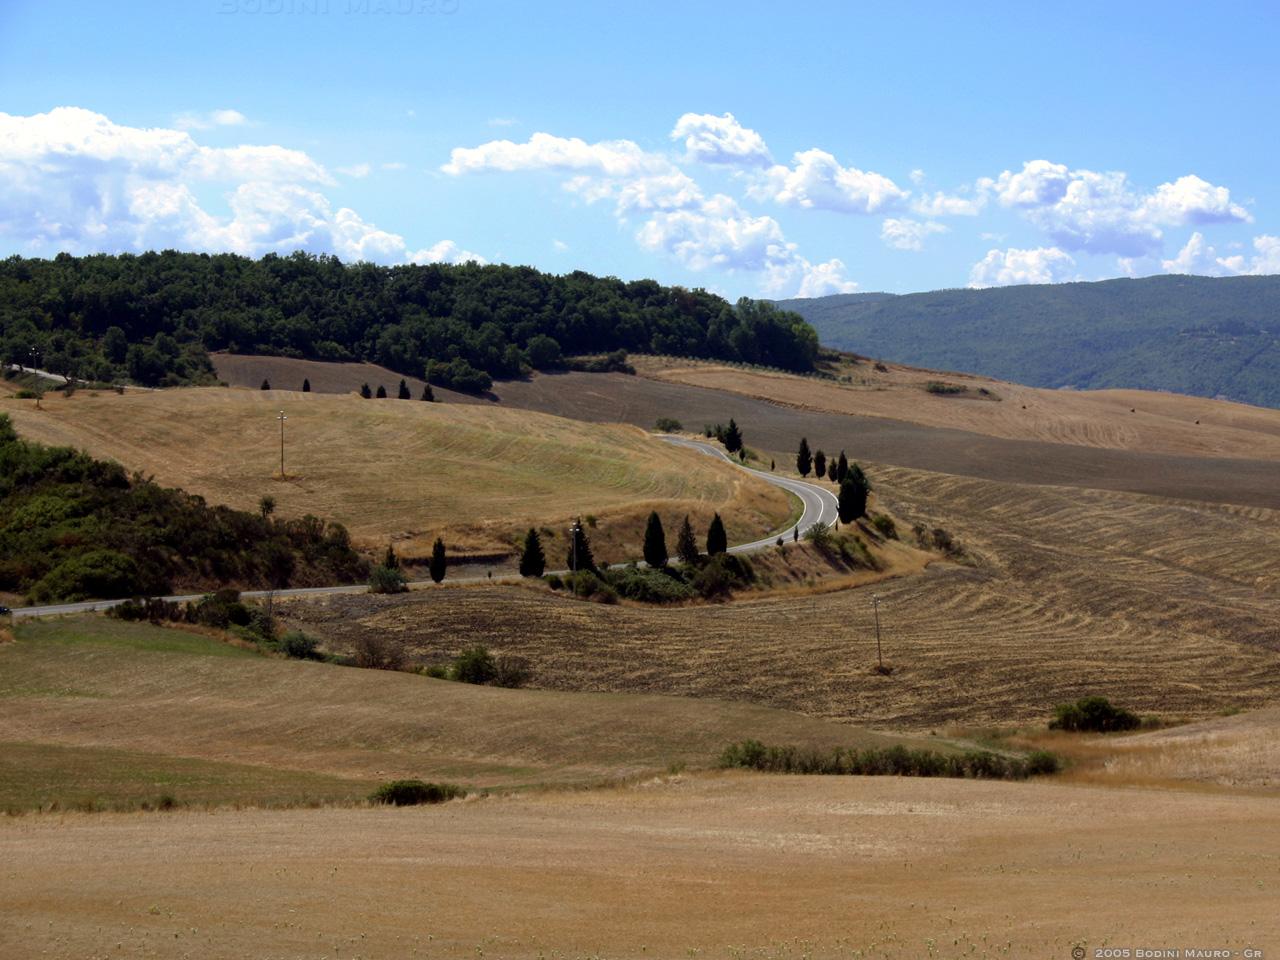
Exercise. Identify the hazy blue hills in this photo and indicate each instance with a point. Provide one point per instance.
(1207, 336)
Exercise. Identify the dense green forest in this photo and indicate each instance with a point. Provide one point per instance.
(74, 528)
(152, 318)
(1204, 336)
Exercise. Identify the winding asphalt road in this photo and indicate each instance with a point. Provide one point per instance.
(820, 506)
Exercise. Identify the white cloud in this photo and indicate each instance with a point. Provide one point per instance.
(446, 251)
(559, 246)
(394, 165)
(1265, 262)
(1103, 212)
(940, 204)
(502, 121)
(917, 176)
(722, 140)
(206, 121)
(542, 151)
(1197, 256)
(822, 279)
(1000, 268)
(72, 180)
(816, 180)
(357, 171)
(905, 234)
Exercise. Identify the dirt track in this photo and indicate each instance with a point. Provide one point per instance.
(714, 865)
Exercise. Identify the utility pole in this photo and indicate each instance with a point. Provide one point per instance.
(875, 602)
(573, 554)
(282, 418)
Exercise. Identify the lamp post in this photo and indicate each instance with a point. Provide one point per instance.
(573, 553)
(282, 418)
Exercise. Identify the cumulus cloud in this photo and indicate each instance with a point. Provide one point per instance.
(1001, 268)
(940, 204)
(821, 279)
(720, 140)
(542, 151)
(446, 251)
(816, 180)
(1103, 212)
(905, 234)
(1197, 256)
(1265, 261)
(206, 121)
(72, 180)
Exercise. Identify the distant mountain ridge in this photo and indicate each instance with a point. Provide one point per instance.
(1205, 336)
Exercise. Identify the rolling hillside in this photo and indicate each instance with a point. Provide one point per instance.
(1204, 336)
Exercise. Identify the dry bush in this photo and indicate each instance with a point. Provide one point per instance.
(377, 651)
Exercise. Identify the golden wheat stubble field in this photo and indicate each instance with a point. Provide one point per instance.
(408, 471)
(1169, 607)
(728, 865)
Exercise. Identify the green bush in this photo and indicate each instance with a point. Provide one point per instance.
(896, 761)
(650, 585)
(83, 576)
(410, 793)
(668, 425)
(386, 579)
(884, 525)
(474, 665)
(300, 646)
(1093, 715)
(554, 581)
(722, 574)
(945, 389)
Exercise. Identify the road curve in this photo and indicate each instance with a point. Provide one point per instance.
(820, 506)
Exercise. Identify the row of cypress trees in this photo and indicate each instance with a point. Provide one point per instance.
(533, 558)
(854, 486)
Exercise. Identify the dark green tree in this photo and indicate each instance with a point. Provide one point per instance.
(819, 464)
(266, 506)
(855, 471)
(365, 391)
(382, 392)
(266, 384)
(717, 539)
(306, 385)
(390, 560)
(404, 392)
(580, 557)
(832, 469)
(732, 437)
(427, 394)
(533, 561)
(842, 468)
(804, 460)
(439, 562)
(655, 542)
(687, 543)
(853, 498)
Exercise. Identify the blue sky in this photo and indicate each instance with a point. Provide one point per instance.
(754, 149)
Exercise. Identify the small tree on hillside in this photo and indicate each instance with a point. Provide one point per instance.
(732, 437)
(804, 460)
(404, 391)
(267, 506)
(390, 560)
(533, 561)
(365, 391)
(717, 539)
(382, 392)
(687, 543)
(855, 471)
(266, 385)
(842, 468)
(306, 385)
(580, 557)
(439, 562)
(655, 542)
(853, 499)
(833, 470)
(427, 394)
(819, 464)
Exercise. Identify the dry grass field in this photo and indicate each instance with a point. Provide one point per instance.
(406, 470)
(93, 710)
(733, 866)
(1172, 608)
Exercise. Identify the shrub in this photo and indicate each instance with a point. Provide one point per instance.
(722, 574)
(97, 573)
(820, 536)
(896, 761)
(1042, 763)
(554, 581)
(375, 651)
(511, 672)
(386, 579)
(939, 388)
(300, 646)
(1093, 715)
(474, 665)
(668, 425)
(411, 793)
(651, 585)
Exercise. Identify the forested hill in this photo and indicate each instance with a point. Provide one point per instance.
(153, 317)
(1197, 335)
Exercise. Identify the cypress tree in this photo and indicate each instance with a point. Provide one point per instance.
(438, 561)
(404, 391)
(733, 437)
(266, 385)
(842, 468)
(427, 394)
(365, 391)
(855, 471)
(717, 540)
(382, 392)
(687, 543)
(655, 542)
(819, 464)
(853, 498)
(391, 561)
(533, 561)
(832, 470)
(306, 385)
(580, 557)
(804, 462)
